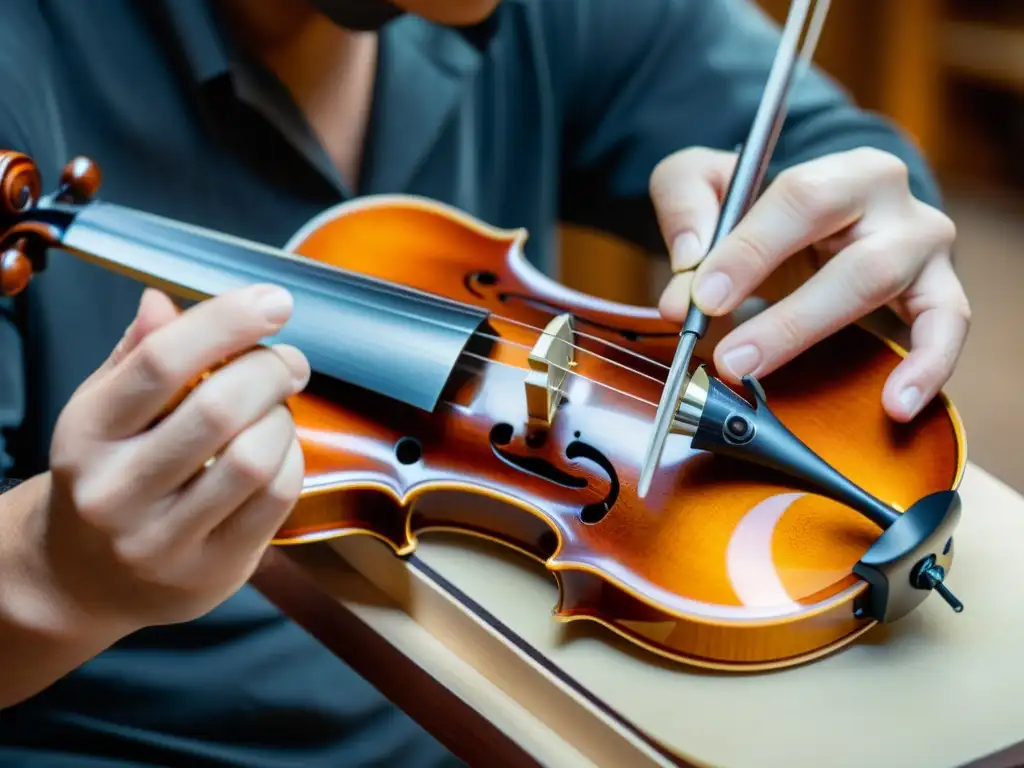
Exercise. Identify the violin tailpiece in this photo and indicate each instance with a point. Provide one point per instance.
(910, 559)
(915, 550)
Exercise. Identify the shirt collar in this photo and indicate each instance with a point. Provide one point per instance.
(422, 76)
(205, 43)
(200, 37)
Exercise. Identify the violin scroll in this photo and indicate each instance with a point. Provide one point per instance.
(20, 183)
(25, 232)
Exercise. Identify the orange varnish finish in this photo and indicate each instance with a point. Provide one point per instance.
(697, 571)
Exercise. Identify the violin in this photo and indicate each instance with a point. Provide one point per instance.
(443, 361)
(680, 512)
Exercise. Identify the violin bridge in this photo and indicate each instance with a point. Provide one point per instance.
(551, 359)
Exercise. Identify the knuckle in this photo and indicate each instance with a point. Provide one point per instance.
(285, 492)
(752, 251)
(942, 228)
(884, 165)
(962, 308)
(947, 229)
(153, 365)
(235, 316)
(284, 416)
(287, 486)
(659, 179)
(65, 454)
(215, 409)
(788, 333)
(137, 553)
(937, 367)
(877, 275)
(810, 192)
(958, 305)
(247, 460)
(665, 174)
(283, 365)
(94, 500)
(670, 163)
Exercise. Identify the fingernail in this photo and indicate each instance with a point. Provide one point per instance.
(123, 343)
(146, 292)
(742, 360)
(686, 252)
(297, 364)
(675, 299)
(711, 292)
(276, 304)
(127, 335)
(910, 399)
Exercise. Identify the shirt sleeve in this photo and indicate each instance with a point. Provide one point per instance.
(12, 384)
(642, 80)
(27, 124)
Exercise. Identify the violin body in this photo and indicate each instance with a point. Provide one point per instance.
(719, 566)
(540, 424)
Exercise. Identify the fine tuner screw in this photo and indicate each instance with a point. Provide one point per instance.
(930, 575)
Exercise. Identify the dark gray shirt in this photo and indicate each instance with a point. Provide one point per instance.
(557, 110)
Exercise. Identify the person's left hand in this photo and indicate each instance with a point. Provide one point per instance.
(879, 246)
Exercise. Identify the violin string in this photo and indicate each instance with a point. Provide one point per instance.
(813, 33)
(806, 55)
(465, 367)
(519, 344)
(582, 334)
(569, 371)
(372, 283)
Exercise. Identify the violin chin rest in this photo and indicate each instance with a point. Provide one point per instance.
(910, 560)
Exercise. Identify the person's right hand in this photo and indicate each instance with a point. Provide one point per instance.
(137, 531)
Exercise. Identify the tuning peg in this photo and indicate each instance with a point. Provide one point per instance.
(931, 575)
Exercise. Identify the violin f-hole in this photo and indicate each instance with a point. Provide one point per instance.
(595, 513)
(590, 514)
(501, 436)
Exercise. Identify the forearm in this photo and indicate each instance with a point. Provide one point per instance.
(42, 636)
(650, 79)
(840, 127)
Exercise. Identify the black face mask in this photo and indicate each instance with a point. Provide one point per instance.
(358, 15)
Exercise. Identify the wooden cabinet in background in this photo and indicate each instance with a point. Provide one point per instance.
(886, 53)
(950, 72)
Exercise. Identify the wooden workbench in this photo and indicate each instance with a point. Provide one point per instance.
(460, 636)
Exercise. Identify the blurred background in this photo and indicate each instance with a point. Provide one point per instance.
(951, 73)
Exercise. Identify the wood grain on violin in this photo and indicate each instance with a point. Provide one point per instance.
(722, 565)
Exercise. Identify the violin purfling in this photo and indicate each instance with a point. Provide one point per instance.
(457, 389)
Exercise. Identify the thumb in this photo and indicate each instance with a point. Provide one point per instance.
(687, 189)
(155, 310)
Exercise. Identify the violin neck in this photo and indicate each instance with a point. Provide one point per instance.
(387, 338)
(188, 261)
